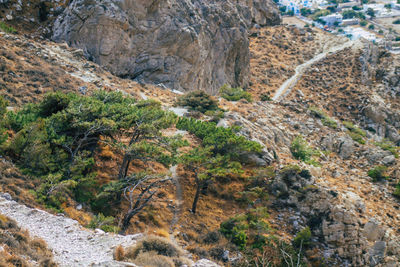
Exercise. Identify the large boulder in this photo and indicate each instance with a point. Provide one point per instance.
(183, 44)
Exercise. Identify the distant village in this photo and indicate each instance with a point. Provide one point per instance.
(378, 22)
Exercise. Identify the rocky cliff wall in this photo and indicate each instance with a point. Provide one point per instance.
(182, 44)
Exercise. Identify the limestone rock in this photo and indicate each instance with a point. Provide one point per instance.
(373, 231)
(205, 263)
(181, 44)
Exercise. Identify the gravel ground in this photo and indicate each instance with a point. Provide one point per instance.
(72, 244)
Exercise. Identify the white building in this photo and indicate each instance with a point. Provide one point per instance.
(297, 5)
(332, 19)
(357, 33)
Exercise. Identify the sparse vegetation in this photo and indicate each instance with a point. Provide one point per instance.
(199, 101)
(234, 94)
(325, 119)
(378, 173)
(153, 251)
(247, 229)
(104, 223)
(302, 151)
(19, 248)
(265, 97)
(303, 238)
(7, 29)
(3, 110)
(388, 146)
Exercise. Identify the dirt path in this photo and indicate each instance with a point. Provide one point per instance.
(178, 203)
(300, 70)
(72, 244)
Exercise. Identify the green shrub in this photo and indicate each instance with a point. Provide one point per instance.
(234, 94)
(104, 223)
(355, 129)
(303, 238)
(378, 173)
(3, 110)
(397, 191)
(224, 141)
(199, 101)
(301, 150)
(7, 29)
(265, 97)
(325, 119)
(356, 137)
(388, 146)
(397, 21)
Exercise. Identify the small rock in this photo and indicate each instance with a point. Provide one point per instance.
(7, 196)
(99, 231)
(9, 17)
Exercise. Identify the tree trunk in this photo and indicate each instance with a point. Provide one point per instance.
(123, 170)
(127, 220)
(196, 197)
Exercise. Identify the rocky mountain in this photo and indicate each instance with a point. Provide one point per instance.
(185, 45)
(323, 189)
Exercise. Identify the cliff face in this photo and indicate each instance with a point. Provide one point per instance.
(183, 44)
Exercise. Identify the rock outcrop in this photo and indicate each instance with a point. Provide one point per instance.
(334, 219)
(182, 44)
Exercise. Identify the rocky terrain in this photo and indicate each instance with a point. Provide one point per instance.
(354, 220)
(182, 44)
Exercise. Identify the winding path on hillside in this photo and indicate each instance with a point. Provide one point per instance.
(72, 244)
(287, 86)
(178, 203)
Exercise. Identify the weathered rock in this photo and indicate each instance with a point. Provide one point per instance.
(205, 263)
(179, 43)
(373, 231)
(345, 147)
(377, 253)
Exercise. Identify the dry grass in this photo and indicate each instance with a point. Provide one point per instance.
(20, 249)
(153, 251)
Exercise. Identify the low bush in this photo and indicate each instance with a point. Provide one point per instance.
(7, 29)
(153, 251)
(397, 191)
(325, 119)
(234, 94)
(378, 173)
(159, 245)
(355, 129)
(21, 249)
(388, 146)
(265, 97)
(303, 238)
(104, 223)
(239, 228)
(356, 137)
(301, 150)
(198, 101)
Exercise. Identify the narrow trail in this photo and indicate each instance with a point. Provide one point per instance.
(300, 70)
(178, 203)
(72, 244)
